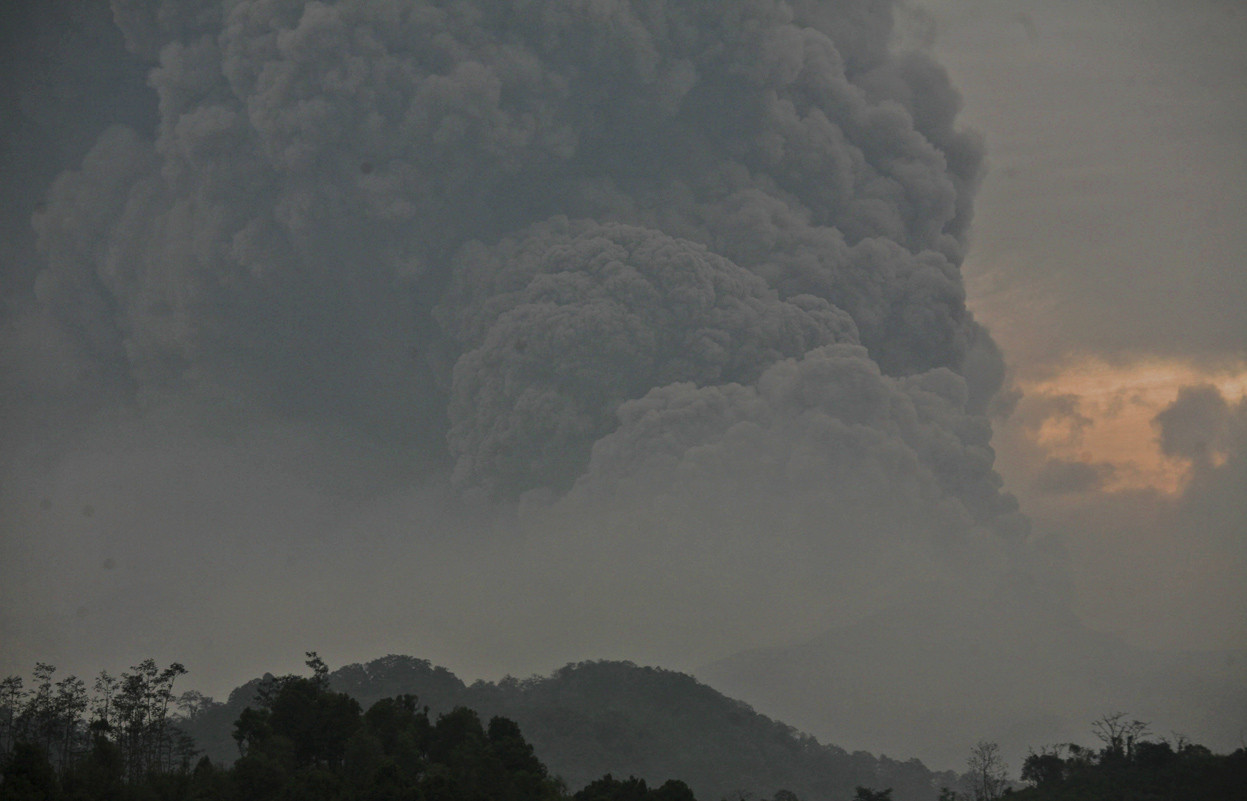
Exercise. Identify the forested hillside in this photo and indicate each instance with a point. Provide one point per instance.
(593, 731)
(594, 718)
(298, 741)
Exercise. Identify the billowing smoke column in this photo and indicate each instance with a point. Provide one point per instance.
(528, 237)
(563, 324)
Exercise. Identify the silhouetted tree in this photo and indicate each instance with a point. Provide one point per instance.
(300, 716)
(1119, 735)
(140, 705)
(69, 705)
(101, 775)
(28, 774)
(608, 788)
(11, 694)
(988, 773)
(1044, 769)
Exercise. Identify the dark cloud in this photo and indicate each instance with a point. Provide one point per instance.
(1211, 431)
(829, 421)
(676, 287)
(562, 324)
(1064, 410)
(245, 253)
(1196, 426)
(1060, 476)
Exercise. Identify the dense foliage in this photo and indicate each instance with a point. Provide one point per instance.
(57, 740)
(595, 718)
(1132, 767)
(298, 738)
(306, 741)
(300, 741)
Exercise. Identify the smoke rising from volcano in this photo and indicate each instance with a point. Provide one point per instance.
(561, 326)
(536, 330)
(322, 176)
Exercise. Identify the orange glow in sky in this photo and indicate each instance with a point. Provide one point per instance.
(1102, 414)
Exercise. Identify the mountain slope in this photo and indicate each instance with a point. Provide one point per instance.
(594, 718)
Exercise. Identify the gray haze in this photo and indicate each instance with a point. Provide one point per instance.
(1132, 113)
(507, 334)
(1109, 238)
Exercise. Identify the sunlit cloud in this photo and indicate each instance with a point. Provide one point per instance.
(1096, 420)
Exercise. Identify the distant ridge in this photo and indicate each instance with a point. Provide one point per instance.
(593, 718)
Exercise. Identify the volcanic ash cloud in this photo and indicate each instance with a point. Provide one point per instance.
(551, 245)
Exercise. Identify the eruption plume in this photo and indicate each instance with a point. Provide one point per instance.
(483, 227)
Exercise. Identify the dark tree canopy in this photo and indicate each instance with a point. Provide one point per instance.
(302, 740)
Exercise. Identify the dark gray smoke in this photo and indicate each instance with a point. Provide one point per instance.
(293, 288)
(674, 286)
(481, 227)
(563, 323)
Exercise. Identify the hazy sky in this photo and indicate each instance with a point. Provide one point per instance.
(580, 336)
(1108, 260)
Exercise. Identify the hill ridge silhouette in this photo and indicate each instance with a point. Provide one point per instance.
(594, 717)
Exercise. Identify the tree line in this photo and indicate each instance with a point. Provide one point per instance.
(1131, 764)
(54, 729)
(302, 740)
